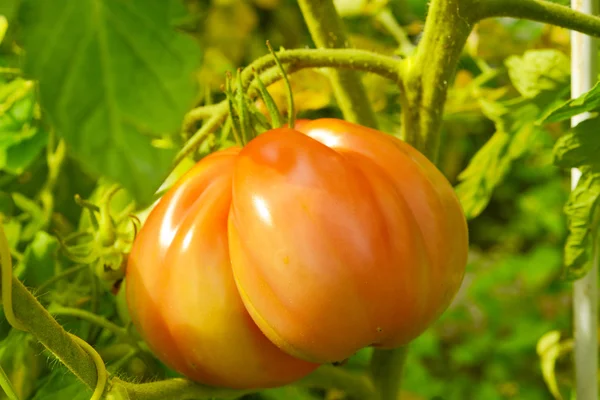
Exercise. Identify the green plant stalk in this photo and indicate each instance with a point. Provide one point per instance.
(359, 386)
(386, 370)
(431, 70)
(172, 389)
(355, 385)
(327, 31)
(541, 11)
(35, 319)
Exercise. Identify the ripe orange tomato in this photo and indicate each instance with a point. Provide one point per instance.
(326, 238)
(341, 237)
(181, 294)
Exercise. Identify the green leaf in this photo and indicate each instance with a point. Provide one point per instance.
(39, 260)
(549, 349)
(12, 228)
(580, 146)
(581, 213)
(515, 134)
(8, 8)
(20, 140)
(113, 76)
(21, 155)
(23, 360)
(589, 101)
(538, 71)
(60, 385)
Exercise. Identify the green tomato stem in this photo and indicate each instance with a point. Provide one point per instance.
(172, 389)
(386, 370)
(295, 60)
(27, 314)
(63, 274)
(355, 385)
(386, 18)
(541, 11)
(198, 114)
(95, 319)
(327, 31)
(100, 367)
(431, 70)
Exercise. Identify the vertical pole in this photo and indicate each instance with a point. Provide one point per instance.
(584, 71)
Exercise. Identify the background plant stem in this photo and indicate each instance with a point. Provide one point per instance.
(327, 31)
(541, 11)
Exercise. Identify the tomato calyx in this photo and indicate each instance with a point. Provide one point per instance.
(245, 120)
(106, 243)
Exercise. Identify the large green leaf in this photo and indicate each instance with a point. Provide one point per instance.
(581, 212)
(589, 101)
(114, 75)
(515, 134)
(580, 146)
(538, 71)
(21, 141)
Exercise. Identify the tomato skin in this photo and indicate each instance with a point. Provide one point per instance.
(181, 293)
(343, 237)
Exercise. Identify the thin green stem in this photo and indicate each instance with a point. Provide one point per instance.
(64, 274)
(295, 60)
(541, 11)
(386, 369)
(198, 114)
(172, 389)
(92, 318)
(355, 385)
(197, 138)
(327, 31)
(386, 18)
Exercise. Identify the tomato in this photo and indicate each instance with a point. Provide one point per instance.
(302, 247)
(181, 294)
(342, 237)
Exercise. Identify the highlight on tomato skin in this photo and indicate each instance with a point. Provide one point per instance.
(181, 294)
(342, 237)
